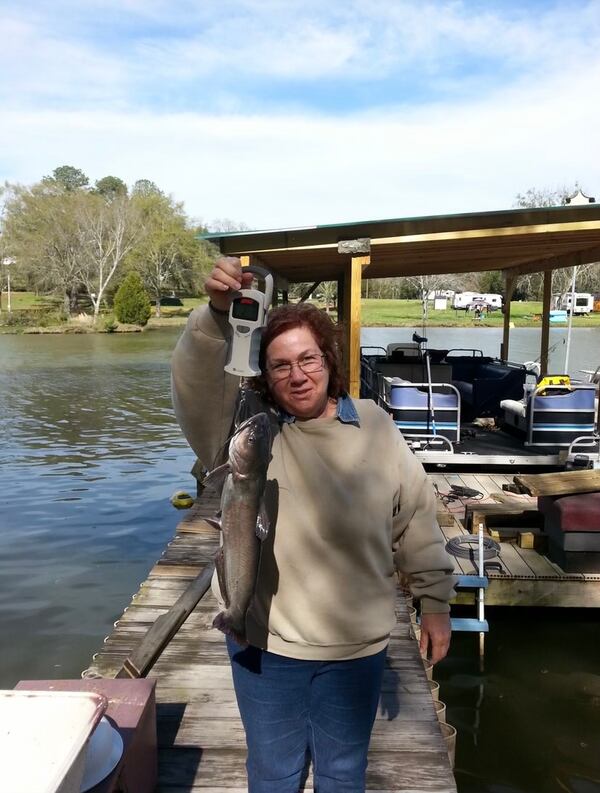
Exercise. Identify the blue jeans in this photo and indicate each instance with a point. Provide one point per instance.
(292, 709)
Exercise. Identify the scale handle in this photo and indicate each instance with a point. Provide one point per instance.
(266, 275)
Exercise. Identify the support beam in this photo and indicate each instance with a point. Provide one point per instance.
(509, 288)
(351, 320)
(309, 291)
(573, 259)
(547, 298)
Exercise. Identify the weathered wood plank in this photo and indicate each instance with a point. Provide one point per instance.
(558, 593)
(513, 562)
(538, 564)
(561, 483)
(199, 703)
(191, 730)
(407, 770)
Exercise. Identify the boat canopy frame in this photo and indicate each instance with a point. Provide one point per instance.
(516, 241)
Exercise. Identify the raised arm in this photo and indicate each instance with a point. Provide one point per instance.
(204, 395)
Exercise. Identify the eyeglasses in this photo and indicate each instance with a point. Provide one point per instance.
(308, 364)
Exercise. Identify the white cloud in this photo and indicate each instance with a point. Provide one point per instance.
(92, 85)
(274, 170)
(133, 54)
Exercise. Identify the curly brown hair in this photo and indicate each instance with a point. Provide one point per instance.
(327, 335)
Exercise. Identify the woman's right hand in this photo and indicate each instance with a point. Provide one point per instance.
(225, 279)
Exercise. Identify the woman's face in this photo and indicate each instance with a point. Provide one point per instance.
(302, 394)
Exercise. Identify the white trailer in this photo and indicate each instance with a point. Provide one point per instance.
(493, 299)
(464, 299)
(584, 303)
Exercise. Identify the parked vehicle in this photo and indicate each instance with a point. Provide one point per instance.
(584, 303)
(469, 300)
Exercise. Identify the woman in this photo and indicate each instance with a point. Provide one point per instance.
(348, 505)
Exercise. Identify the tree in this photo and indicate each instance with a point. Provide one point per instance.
(144, 187)
(68, 177)
(132, 304)
(491, 282)
(227, 226)
(530, 286)
(110, 187)
(544, 196)
(168, 254)
(42, 235)
(108, 231)
(429, 283)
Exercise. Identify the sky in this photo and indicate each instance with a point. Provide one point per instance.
(283, 114)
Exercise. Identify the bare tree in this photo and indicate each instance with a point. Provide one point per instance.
(108, 232)
(425, 284)
(587, 274)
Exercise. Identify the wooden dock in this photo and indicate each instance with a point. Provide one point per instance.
(528, 577)
(200, 735)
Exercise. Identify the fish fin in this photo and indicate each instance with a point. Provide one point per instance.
(263, 524)
(214, 522)
(224, 623)
(220, 566)
(216, 478)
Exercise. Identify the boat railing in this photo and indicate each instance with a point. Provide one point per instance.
(421, 443)
(475, 352)
(578, 457)
(381, 350)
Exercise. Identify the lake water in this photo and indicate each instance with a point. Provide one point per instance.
(90, 453)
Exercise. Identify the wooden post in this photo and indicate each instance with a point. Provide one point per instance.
(509, 281)
(351, 320)
(546, 322)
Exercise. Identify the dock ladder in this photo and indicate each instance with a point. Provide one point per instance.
(473, 582)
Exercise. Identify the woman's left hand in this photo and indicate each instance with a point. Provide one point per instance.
(435, 636)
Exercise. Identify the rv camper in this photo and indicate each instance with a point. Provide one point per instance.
(468, 300)
(584, 303)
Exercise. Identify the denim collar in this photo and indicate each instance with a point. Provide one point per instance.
(345, 412)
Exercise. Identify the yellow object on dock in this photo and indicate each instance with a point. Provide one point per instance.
(526, 539)
(182, 500)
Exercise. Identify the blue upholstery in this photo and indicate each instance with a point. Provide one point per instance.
(482, 382)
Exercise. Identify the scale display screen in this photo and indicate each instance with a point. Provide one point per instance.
(245, 308)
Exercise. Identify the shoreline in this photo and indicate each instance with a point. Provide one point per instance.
(179, 322)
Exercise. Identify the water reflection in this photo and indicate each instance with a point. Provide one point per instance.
(529, 721)
(90, 454)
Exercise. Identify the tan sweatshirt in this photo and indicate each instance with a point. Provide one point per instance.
(348, 506)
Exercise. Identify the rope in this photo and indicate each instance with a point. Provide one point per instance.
(467, 544)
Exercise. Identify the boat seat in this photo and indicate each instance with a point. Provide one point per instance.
(553, 418)
(515, 413)
(409, 405)
(481, 382)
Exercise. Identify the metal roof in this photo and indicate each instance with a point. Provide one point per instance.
(521, 240)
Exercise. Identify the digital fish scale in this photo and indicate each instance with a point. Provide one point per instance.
(247, 317)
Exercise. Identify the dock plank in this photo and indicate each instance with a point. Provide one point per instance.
(199, 731)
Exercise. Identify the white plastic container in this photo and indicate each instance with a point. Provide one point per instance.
(43, 736)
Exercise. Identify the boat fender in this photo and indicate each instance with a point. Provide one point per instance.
(182, 500)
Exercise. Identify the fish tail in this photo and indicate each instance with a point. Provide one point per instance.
(227, 624)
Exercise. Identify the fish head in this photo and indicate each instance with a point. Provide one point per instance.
(250, 447)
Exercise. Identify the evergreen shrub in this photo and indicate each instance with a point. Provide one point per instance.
(132, 304)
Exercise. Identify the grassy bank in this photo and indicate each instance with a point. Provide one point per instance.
(31, 313)
(408, 313)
